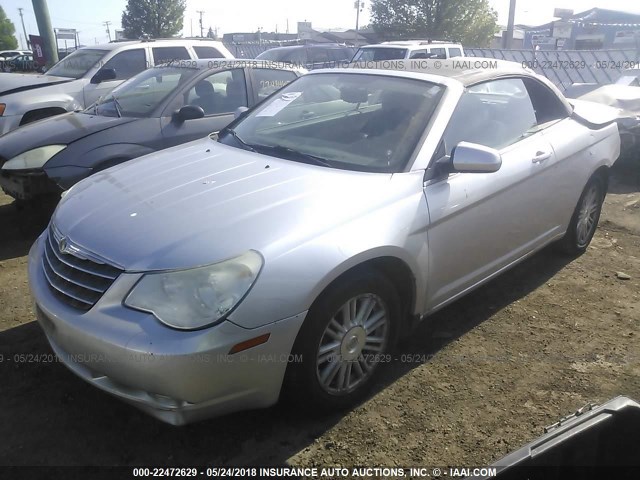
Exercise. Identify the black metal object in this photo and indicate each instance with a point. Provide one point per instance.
(601, 440)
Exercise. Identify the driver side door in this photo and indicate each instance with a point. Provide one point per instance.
(219, 94)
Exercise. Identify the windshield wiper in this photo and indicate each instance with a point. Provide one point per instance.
(291, 154)
(235, 135)
(116, 104)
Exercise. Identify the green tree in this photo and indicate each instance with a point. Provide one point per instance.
(7, 32)
(155, 18)
(470, 22)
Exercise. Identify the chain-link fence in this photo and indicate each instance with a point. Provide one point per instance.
(564, 67)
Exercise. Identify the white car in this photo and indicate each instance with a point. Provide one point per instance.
(79, 79)
(407, 50)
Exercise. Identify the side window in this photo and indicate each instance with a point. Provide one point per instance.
(548, 107)
(208, 52)
(268, 80)
(220, 92)
(494, 114)
(128, 63)
(419, 54)
(455, 52)
(169, 54)
(341, 54)
(297, 56)
(318, 55)
(438, 52)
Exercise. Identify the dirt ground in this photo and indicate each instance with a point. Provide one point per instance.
(483, 377)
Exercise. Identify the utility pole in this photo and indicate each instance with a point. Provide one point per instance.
(192, 27)
(201, 12)
(507, 39)
(41, 12)
(359, 6)
(24, 30)
(106, 24)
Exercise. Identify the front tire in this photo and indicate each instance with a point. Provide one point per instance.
(344, 341)
(585, 218)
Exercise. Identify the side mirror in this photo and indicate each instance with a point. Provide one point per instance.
(473, 158)
(188, 112)
(104, 75)
(240, 111)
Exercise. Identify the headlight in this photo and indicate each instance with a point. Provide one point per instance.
(35, 158)
(198, 297)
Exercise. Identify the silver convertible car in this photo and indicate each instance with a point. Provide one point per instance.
(286, 255)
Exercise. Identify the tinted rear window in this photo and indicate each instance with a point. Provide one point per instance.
(169, 54)
(208, 52)
(379, 54)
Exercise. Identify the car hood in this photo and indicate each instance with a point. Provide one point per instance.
(204, 202)
(15, 82)
(59, 130)
(624, 97)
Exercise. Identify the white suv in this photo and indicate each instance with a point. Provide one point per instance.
(408, 49)
(79, 79)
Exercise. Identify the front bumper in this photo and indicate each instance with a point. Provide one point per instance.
(175, 376)
(27, 185)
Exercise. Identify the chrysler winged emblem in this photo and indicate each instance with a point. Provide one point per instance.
(63, 245)
(66, 247)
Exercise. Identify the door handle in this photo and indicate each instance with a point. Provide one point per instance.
(541, 157)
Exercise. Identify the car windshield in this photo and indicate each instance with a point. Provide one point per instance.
(371, 123)
(373, 54)
(141, 95)
(77, 64)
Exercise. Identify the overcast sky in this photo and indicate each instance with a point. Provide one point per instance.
(88, 16)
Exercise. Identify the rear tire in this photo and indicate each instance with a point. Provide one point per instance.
(345, 339)
(585, 218)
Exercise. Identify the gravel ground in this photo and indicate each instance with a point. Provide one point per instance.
(479, 379)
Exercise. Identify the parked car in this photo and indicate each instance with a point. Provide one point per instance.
(310, 56)
(158, 108)
(20, 63)
(408, 49)
(291, 253)
(82, 77)
(623, 94)
(9, 54)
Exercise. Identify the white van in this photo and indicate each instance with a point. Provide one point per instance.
(79, 79)
(408, 49)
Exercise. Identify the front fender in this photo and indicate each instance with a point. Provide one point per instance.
(66, 172)
(24, 102)
(297, 270)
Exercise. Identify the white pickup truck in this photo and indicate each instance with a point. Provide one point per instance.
(81, 78)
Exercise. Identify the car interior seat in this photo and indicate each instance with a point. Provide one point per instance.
(395, 106)
(208, 99)
(236, 96)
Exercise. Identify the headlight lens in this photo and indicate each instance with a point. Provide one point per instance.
(198, 297)
(35, 158)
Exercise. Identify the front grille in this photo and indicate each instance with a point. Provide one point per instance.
(77, 282)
